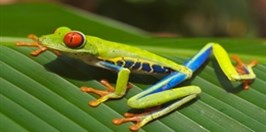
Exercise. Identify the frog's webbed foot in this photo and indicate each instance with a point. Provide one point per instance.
(40, 47)
(242, 69)
(37, 44)
(104, 94)
(139, 119)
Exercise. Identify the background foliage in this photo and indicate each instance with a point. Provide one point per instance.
(238, 18)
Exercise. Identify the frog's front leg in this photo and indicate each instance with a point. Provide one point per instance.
(117, 92)
(33, 44)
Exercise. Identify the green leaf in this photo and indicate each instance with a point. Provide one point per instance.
(42, 93)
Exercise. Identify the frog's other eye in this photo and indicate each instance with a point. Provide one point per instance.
(74, 39)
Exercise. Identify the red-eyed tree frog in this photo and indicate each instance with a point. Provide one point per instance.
(125, 59)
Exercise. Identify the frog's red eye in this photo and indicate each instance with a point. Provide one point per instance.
(74, 39)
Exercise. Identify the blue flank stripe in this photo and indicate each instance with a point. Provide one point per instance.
(177, 77)
(120, 63)
(195, 62)
(158, 69)
(128, 64)
(110, 66)
(136, 65)
(146, 67)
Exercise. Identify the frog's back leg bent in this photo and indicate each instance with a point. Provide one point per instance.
(159, 93)
(241, 72)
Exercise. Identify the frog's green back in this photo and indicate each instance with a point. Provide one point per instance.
(109, 50)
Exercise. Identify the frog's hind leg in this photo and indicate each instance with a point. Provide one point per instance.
(183, 95)
(240, 72)
(161, 93)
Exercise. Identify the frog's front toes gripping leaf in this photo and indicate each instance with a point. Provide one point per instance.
(35, 43)
(104, 94)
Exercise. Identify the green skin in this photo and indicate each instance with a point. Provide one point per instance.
(96, 50)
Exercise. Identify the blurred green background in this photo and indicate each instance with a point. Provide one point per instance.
(168, 18)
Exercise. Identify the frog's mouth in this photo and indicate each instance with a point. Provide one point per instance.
(35, 43)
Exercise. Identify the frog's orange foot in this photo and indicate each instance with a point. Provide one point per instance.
(129, 117)
(104, 94)
(139, 119)
(33, 44)
(109, 87)
(241, 68)
(101, 93)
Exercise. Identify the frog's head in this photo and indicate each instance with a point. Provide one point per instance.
(66, 40)
(63, 40)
